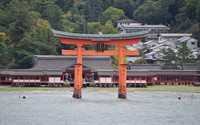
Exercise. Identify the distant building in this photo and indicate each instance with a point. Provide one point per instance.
(54, 70)
(150, 44)
(130, 26)
(191, 42)
(173, 36)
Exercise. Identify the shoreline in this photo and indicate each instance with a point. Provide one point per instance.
(159, 88)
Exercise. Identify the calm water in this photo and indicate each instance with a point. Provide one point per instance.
(99, 108)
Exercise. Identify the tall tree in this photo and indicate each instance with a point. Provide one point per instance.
(140, 61)
(108, 28)
(3, 50)
(152, 12)
(50, 11)
(112, 14)
(168, 58)
(39, 41)
(21, 24)
(126, 6)
(93, 10)
(185, 54)
(93, 27)
(65, 5)
(190, 8)
(198, 12)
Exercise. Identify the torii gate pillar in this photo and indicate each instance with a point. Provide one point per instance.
(122, 74)
(78, 73)
(122, 82)
(78, 81)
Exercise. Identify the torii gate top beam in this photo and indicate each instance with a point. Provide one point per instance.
(91, 39)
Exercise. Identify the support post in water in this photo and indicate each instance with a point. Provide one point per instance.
(122, 81)
(78, 81)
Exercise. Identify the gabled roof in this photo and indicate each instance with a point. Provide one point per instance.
(157, 46)
(149, 42)
(173, 72)
(138, 72)
(146, 26)
(175, 34)
(63, 62)
(184, 39)
(127, 21)
(30, 72)
(163, 45)
(191, 66)
(145, 67)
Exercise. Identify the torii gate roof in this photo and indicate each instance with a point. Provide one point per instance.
(100, 37)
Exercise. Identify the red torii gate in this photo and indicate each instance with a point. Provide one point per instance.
(100, 40)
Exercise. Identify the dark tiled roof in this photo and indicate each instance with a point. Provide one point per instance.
(31, 72)
(138, 72)
(127, 21)
(191, 66)
(107, 72)
(55, 65)
(145, 67)
(174, 72)
(63, 62)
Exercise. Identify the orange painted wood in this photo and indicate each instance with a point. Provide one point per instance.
(77, 81)
(79, 54)
(90, 42)
(69, 52)
(130, 53)
(122, 81)
(95, 53)
(124, 42)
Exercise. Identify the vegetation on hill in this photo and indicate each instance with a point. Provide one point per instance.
(25, 24)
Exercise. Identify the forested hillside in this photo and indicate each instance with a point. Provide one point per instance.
(25, 24)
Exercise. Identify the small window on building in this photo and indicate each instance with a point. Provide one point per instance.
(192, 43)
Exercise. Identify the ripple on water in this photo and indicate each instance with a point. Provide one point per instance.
(99, 108)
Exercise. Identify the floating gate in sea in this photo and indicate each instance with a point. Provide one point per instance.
(100, 40)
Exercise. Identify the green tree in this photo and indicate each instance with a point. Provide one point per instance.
(108, 28)
(190, 8)
(93, 10)
(140, 61)
(185, 54)
(112, 14)
(115, 61)
(21, 24)
(3, 50)
(65, 4)
(53, 14)
(49, 10)
(152, 12)
(70, 21)
(198, 12)
(168, 58)
(125, 5)
(171, 59)
(93, 27)
(39, 41)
